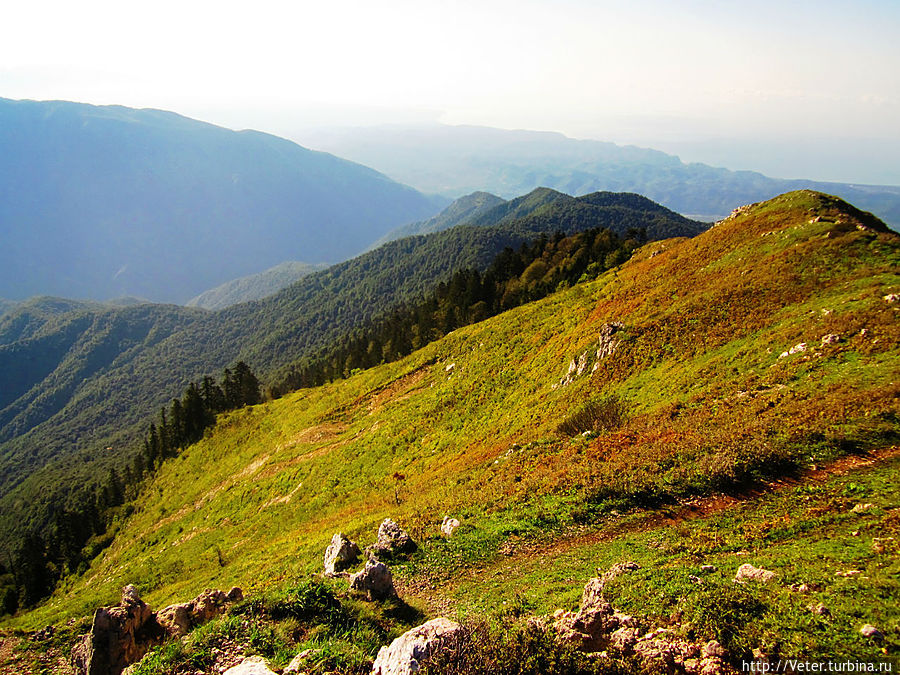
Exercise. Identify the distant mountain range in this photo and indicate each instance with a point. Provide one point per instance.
(102, 202)
(456, 160)
(80, 377)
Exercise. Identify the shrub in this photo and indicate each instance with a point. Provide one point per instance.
(600, 415)
(516, 648)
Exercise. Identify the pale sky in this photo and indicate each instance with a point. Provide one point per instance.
(678, 75)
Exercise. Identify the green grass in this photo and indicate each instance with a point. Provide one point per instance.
(708, 406)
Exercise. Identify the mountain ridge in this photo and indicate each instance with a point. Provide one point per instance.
(112, 201)
(454, 160)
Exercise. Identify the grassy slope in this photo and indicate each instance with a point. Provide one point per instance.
(713, 406)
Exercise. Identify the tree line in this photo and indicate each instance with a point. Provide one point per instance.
(79, 531)
(514, 278)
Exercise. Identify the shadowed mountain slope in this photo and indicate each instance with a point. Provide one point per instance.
(99, 202)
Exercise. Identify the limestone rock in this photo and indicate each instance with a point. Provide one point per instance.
(297, 662)
(374, 580)
(208, 605)
(406, 654)
(340, 555)
(175, 619)
(252, 665)
(392, 541)
(870, 631)
(448, 526)
(748, 572)
(120, 635)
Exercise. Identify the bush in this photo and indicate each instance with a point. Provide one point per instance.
(516, 648)
(599, 416)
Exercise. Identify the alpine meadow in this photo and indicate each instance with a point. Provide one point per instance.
(472, 338)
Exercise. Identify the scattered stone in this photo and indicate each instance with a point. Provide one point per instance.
(251, 665)
(120, 635)
(862, 508)
(340, 555)
(413, 649)
(892, 297)
(819, 609)
(694, 579)
(374, 580)
(830, 339)
(448, 526)
(848, 573)
(870, 631)
(883, 545)
(748, 572)
(796, 349)
(607, 343)
(713, 649)
(392, 541)
(708, 568)
(805, 588)
(298, 661)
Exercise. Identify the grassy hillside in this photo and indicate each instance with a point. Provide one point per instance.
(506, 425)
(65, 409)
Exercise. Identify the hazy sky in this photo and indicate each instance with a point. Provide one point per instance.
(751, 80)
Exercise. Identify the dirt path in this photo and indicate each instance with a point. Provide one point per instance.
(437, 598)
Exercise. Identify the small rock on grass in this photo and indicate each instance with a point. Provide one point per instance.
(748, 572)
(252, 665)
(870, 631)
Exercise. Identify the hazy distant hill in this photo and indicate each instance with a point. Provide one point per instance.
(254, 286)
(105, 372)
(455, 160)
(102, 202)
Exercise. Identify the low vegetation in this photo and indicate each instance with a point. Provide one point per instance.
(718, 400)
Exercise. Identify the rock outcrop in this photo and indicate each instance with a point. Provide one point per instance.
(340, 555)
(406, 654)
(597, 627)
(374, 580)
(120, 635)
(179, 619)
(392, 541)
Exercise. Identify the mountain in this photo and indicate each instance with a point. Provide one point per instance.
(254, 286)
(455, 160)
(104, 201)
(715, 402)
(104, 374)
(459, 211)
